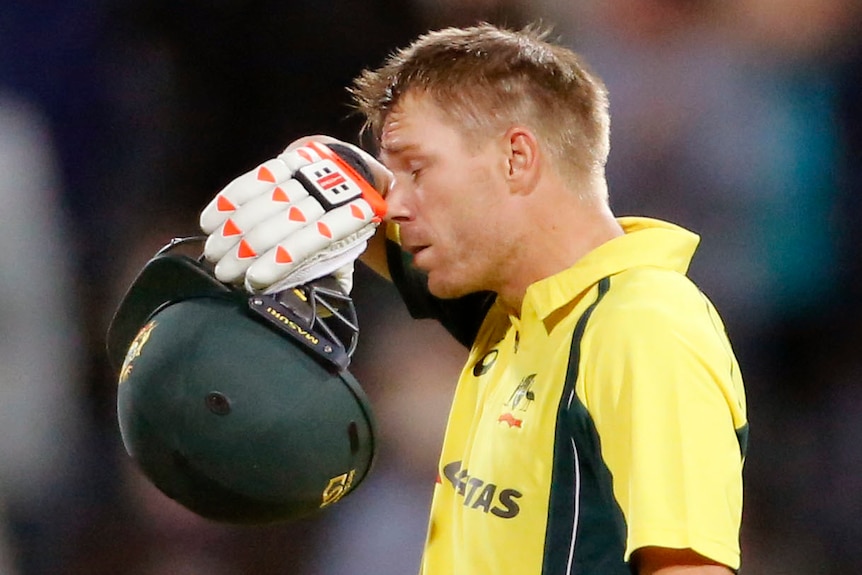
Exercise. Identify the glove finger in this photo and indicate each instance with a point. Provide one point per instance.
(334, 262)
(300, 157)
(279, 261)
(276, 228)
(340, 267)
(234, 263)
(253, 183)
(231, 269)
(245, 219)
(312, 241)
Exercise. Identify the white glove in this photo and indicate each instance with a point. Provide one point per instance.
(300, 216)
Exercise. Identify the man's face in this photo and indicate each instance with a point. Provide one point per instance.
(449, 197)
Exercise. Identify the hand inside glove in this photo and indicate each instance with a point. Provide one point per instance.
(300, 216)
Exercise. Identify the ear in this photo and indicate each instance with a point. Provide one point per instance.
(522, 149)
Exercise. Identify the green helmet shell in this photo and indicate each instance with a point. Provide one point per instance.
(236, 421)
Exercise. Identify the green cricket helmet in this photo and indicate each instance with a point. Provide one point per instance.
(240, 406)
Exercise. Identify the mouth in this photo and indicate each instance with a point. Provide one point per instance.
(416, 251)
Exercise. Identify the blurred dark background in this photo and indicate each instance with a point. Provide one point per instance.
(740, 119)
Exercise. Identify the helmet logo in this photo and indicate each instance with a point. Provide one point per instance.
(337, 487)
(135, 350)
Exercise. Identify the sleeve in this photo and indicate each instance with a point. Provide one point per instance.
(666, 396)
(462, 317)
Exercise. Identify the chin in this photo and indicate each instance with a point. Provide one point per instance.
(447, 289)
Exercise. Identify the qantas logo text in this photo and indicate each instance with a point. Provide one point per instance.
(481, 495)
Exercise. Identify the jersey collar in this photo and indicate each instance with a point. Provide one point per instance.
(646, 242)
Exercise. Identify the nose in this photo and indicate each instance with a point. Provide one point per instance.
(397, 201)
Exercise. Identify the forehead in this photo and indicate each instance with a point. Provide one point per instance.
(413, 120)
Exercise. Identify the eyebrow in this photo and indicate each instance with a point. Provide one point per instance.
(398, 145)
(397, 148)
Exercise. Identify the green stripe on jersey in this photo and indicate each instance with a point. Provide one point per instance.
(586, 529)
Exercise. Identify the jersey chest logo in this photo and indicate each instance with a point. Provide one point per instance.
(517, 404)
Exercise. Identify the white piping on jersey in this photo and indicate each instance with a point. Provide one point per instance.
(577, 494)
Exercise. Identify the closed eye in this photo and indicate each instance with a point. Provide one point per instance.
(417, 168)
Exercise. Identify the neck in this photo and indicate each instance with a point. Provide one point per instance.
(570, 229)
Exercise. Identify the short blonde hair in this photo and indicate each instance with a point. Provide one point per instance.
(487, 78)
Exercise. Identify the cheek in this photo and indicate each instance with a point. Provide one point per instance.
(478, 240)
(461, 203)
(466, 219)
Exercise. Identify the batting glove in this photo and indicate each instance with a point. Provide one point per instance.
(303, 215)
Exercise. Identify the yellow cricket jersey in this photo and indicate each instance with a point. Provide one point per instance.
(609, 416)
